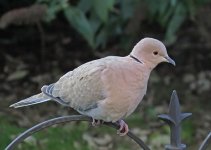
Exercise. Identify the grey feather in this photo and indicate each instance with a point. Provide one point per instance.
(88, 108)
(48, 90)
(36, 99)
(45, 96)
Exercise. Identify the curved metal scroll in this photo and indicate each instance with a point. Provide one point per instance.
(66, 119)
(206, 142)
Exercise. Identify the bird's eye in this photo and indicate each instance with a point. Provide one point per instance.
(155, 52)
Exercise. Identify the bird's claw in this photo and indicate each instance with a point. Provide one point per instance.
(123, 128)
(96, 122)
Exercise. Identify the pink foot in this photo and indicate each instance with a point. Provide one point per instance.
(123, 129)
(96, 122)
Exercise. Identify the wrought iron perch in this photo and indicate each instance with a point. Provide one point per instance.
(174, 119)
(66, 119)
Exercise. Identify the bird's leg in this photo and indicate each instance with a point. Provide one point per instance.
(123, 129)
(96, 122)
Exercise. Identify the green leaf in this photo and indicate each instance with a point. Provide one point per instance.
(51, 13)
(53, 8)
(176, 21)
(166, 17)
(153, 7)
(79, 22)
(102, 8)
(128, 7)
(17, 75)
(95, 22)
(173, 2)
(163, 8)
(84, 5)
(101, 38)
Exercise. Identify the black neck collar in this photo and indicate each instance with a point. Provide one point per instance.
(136, 59)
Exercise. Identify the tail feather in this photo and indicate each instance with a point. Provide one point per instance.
(36, 99)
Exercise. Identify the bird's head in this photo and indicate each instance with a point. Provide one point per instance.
(151, 52)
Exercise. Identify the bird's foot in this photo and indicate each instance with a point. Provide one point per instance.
(123, 129)
(96, 122)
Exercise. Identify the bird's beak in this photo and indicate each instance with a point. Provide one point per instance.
(169, 60)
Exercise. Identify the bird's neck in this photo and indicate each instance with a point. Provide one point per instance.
(135, 58)
(150, 65)
(142, 60)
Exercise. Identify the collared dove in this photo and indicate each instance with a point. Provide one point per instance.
(107, 89)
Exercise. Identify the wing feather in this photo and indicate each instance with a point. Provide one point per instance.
(82, 88)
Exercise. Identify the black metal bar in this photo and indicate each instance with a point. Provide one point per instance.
(174, 119)
(206, 142)
(66, 119)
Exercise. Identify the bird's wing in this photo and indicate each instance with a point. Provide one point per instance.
(48, 89)
(82, 88)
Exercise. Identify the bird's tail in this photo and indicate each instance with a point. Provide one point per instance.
(35, 99)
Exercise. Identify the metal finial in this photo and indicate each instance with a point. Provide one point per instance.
(174, 119)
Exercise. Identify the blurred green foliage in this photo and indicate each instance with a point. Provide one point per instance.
(74, 135)
(170, 14)
(95, 20)
(100, 22)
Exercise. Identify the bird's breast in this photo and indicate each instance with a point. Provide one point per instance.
(126, 92)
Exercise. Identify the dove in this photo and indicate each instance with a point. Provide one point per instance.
(107, 89)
